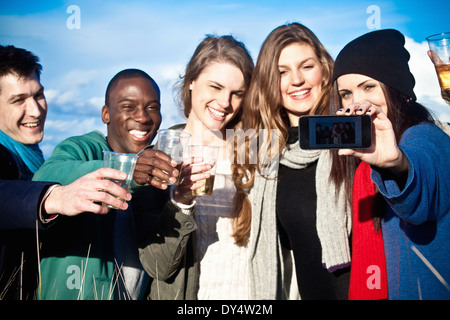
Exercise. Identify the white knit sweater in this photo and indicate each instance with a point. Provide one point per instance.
(223, 265)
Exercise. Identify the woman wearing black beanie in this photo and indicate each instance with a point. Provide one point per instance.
(407, 163)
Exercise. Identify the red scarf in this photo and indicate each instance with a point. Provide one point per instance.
(368, 280)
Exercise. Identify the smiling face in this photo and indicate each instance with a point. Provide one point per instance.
(301, 76)
(216, 96)
(358, 88)
(133, 115)
(23, 108)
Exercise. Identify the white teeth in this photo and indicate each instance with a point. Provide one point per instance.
(31, 125)
(216, 112)
(299, 93)
(138, 133)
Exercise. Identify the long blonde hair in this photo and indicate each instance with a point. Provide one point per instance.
(263, 109)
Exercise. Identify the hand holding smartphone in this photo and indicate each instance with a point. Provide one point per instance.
(335, 132)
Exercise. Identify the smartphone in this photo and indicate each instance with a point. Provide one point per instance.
(335, 132)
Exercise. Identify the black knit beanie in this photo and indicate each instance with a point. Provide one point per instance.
(380, 55)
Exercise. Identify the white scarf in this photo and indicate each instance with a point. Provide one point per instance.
(333, 223)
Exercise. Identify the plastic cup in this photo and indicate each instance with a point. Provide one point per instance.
(120, 161)
(439, 45)
(173, 143)
(209, 155)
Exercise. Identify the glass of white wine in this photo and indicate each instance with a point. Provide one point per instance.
(439, 53)
(209, 155)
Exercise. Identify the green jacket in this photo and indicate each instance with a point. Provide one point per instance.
(169, 253)
(79, 253)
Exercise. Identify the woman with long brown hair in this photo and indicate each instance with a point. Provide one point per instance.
(193, 255)
(293, 206)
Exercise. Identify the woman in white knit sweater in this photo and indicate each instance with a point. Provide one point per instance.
(201, 259)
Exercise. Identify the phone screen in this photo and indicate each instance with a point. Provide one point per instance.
(335, 132)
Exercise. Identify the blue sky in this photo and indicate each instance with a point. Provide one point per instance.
(160, 36)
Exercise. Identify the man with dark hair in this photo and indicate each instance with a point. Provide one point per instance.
(150, 164)
(104, 247)
(128, 74)
(28, 207)
(19, 61)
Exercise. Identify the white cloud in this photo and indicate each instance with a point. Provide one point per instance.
(66, 98)
(76, 91)
(60, 129)
(73, 102)
(427, 87)
(50, 95)
(169, 72)
(47, 149)
(97, 102)
(76, 126)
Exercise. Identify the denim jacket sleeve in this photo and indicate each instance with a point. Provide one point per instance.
(425, 195)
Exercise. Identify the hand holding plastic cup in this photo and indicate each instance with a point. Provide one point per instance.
(439, 54)
(173, 143)
(120, 161)
(209, 155)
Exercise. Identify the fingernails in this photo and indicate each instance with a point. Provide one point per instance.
(124, 205)
(347, 110)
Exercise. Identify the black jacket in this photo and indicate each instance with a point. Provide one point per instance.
(18, 237)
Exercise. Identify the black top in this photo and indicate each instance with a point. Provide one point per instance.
(8, 169)
(296, 214)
